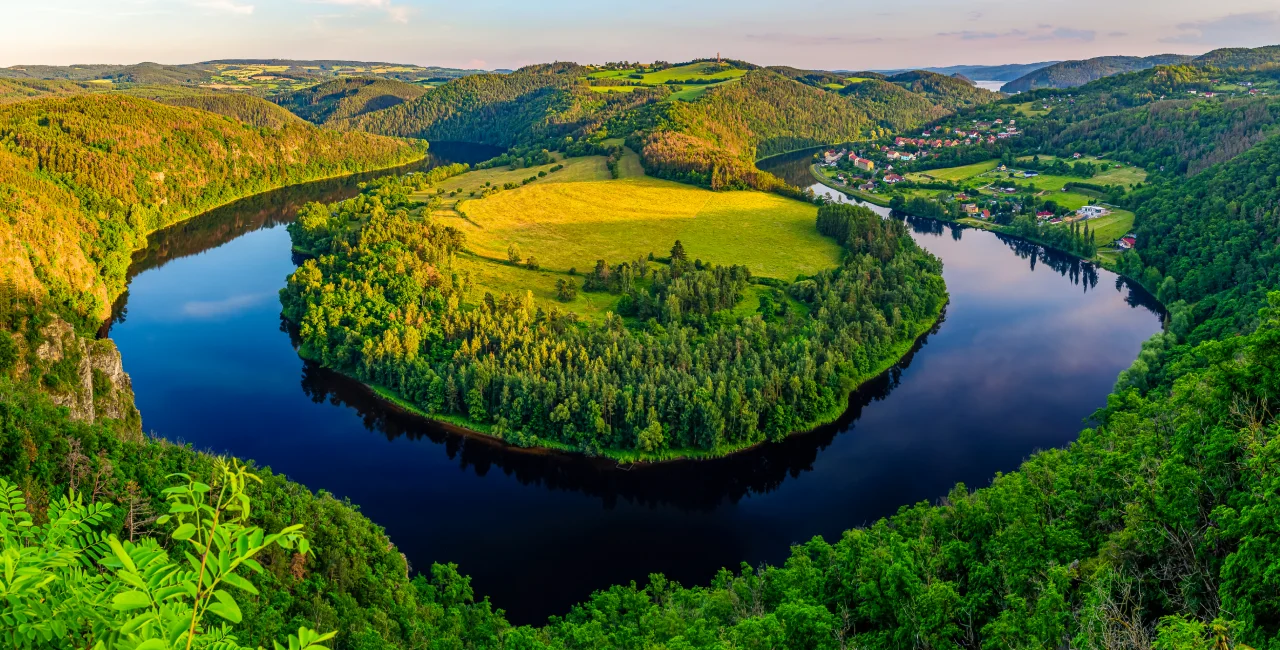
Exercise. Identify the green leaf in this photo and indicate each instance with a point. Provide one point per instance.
(130, 600)
(152, 644)
(226, 606)
(184, 532)
(239, 583)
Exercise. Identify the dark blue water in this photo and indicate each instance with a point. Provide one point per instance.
(1030, 346)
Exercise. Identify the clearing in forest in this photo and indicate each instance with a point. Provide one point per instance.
(573, 217)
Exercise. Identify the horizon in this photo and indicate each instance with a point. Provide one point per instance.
(914, 34)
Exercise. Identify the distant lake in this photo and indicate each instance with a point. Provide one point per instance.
(1030, 346)
(993, 86)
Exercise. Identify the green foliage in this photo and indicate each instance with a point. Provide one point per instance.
(65, 581)
(1214, 235)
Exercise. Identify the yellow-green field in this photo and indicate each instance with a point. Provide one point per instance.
(955, 173)
(704, 70)
(1111, 227)
(1126, 175)
(573, 217)
(1031, 109)
(707, 70)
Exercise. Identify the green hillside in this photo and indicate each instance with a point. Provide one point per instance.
(949, 92)
(347, 97)
(85, 178)
(1070, 74)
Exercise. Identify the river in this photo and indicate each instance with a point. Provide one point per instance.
(1030, 346)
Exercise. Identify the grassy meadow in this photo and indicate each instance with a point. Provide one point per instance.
(955, 174)
(571, 218)
(704, 71)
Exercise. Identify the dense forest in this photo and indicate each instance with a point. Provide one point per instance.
(1172, 136)
(1212, 240)
(1069, 74)
(348, 97)
(673, 372)
(84, 179)
(948, 92)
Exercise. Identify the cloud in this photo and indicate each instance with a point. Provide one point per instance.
(1067, 34)
(397, 13)
(812, 39)
(226, 306)
(225, 6)
(971, 35)
(1041, 33)
(1240, 30)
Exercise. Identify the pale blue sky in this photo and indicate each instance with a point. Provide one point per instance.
(832, 34)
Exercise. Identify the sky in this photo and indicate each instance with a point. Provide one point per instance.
(488, 34)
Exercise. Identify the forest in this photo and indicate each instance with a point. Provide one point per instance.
(675, 372)
(85, 178)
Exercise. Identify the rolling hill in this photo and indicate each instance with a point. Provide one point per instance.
(347, 97)
(84, 179)
(949, 92)
(1070, 74)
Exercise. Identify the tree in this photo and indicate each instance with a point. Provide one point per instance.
(677, 252)
(513, 253)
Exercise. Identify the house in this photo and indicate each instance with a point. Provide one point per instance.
(1127, 243)
(831, 157)
(1091, 212)
(1030, 174)
(893, 155)
(867, 187)
(1076, 156)
(1055, 221)
(962, 197)
(999, 121)
(907, 157)
(893, 178)
(863, 164)
(969, 208)
(1002, 168)
(986, 214)
(1044, 214)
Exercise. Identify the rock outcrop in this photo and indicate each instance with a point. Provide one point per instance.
(86, 376)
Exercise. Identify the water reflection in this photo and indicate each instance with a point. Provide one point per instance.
(686, 485)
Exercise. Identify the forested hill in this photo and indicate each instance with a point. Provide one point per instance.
(527, 105)
(1174, 137)
(83, 179)
(948, 92)
(1070, 74)
(716, 140)
(1241, 57)
(347, 97)
(251, 110)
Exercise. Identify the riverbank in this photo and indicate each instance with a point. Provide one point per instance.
(853, 194)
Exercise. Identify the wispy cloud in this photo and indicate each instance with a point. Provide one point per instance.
(1041, 33)
(224, 6)
(224, 307)
(813, 39)
(1240, 30)
(397, 13)
(1067, 34)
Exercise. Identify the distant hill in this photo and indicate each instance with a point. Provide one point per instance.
(347, 97)
(1070, 74)
(948, 92)
(1241, 57)
(15, 90)
(246, 108)
(137, 73)
(1007, 72)
(891, 106)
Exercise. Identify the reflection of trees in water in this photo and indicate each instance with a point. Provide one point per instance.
(701, 485)
(221, 225)
(1080, 272)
